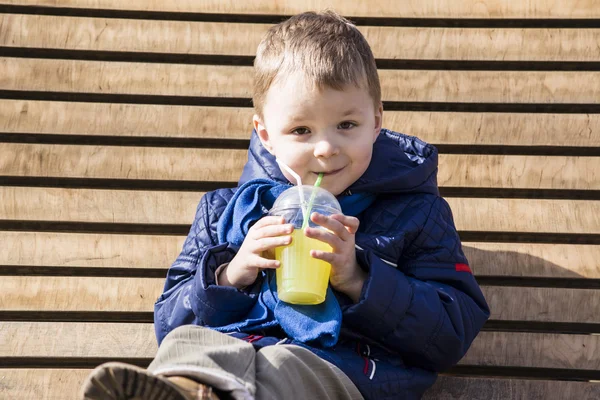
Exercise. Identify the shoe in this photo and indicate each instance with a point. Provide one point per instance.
(120, 381)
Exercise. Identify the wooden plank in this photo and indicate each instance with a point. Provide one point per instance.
(378, 8)
(32, 293)
(49, 293)
(533, 260)
(153, 207)
(455, 388)
(533, 172)
(229, 81)
(42, 384)
(78, 33)
(89, 250)
(25, 116)
(543, 304)
(114, 251)
(76, 339)
(64, 384)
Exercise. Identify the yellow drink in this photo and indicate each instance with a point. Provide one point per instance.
(302, 279)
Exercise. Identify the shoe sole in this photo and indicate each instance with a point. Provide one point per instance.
(119, 381)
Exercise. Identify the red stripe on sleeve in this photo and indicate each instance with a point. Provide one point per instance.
(463, 268)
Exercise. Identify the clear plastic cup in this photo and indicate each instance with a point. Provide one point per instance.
(302, 279)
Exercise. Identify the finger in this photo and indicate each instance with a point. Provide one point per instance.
(265, 263)
(323, 255)
(324, 236)
(331, 224)
(268, 220)
(272, 231)
(351, 223)
(269, 243)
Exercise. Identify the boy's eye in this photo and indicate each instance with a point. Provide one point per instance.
(300, 131)
(346, 125)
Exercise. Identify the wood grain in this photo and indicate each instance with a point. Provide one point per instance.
(533, 260)
(534, 172)
(47, 293)
(182, 37)
(229, 81)
(25, 116)
(89, 250)
(154, 207)
(378, 8)
(474, 388)
(42, 384)
(543, 304)
(150, 251)
(32, 293)
(76, 339)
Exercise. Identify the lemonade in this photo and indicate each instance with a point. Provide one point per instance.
(302, 279)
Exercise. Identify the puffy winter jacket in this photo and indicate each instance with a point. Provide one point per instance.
(420, 307)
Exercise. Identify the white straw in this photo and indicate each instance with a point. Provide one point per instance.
(298, 183)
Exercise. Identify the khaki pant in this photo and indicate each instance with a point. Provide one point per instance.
(227, 363)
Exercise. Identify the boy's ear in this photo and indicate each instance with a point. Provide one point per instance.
(378, 121)
(261, 130)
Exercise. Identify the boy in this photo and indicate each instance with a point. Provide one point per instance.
(406, 300)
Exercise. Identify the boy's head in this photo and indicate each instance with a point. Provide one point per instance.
(317, 98)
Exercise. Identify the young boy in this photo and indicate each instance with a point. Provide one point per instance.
(403, 303)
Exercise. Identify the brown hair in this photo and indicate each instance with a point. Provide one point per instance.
(328, 48)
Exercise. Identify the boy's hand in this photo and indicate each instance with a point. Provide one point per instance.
(346, 275)
(268, 233)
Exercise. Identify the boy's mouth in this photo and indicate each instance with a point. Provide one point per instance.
(329, 173)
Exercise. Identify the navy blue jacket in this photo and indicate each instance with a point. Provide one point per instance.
(420, 307)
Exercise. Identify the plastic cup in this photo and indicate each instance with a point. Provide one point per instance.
(302, 279)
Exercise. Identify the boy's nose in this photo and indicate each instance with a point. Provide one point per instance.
(325, 149)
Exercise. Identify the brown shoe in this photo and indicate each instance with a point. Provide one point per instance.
(119, 381)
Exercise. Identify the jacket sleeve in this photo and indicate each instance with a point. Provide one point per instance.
(428, 309)
(190, 294)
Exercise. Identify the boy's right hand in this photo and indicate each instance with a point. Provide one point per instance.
(264, 236)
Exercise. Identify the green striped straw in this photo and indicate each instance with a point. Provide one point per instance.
(311, 201)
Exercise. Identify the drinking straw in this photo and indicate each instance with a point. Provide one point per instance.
(299, 184)
(311, 201)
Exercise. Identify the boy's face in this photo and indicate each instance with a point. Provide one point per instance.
(316, 130)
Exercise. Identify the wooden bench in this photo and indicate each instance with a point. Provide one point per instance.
(116, 116)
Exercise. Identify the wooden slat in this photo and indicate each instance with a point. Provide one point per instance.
(543, 304)
(139, 294)
(229, 81)
(89, 250)
(42, 384)
(534, 172)
(34, 293)
(455, 388)
(64, 384)
(108, 250)
(23, 116)
(533, 260)
(378, 8)
(75, 339)
(77, 33)
(124, 206)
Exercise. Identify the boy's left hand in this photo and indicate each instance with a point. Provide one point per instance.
(346, 275)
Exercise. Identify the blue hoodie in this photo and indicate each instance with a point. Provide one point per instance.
(420, 307)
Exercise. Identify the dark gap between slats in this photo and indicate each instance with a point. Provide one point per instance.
(563, 108)
(571, 328)
(243, 144)
(182, 229)
(562, 374)
(273, 19)
(539, 282)
(459, 370)
(245, 60)
(203, 186)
